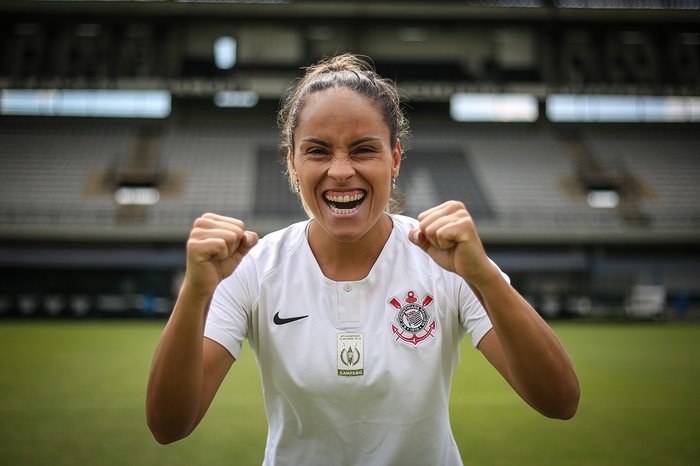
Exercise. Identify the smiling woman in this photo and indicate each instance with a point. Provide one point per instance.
(347, 72)
(345, 309)
(344, 161)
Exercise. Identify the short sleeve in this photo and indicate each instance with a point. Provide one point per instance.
(473, 316)
(229, 318)
(472, 313)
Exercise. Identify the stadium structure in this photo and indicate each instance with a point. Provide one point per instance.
(569, 128)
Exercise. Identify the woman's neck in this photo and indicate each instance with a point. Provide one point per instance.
(348, 261)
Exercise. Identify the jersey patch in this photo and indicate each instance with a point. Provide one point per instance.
(413, 323)
(351, 354)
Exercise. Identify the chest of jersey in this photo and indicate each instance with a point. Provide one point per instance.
(352, 342)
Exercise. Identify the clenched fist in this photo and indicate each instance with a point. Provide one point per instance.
(216, 246)
(448, 234)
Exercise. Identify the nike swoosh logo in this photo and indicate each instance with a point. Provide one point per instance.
(286, 320)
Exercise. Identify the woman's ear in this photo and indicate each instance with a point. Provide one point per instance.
(291, 168)
(290, 162)
(396, 159)
(292, 172)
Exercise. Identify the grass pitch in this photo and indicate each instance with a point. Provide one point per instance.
(72, 393)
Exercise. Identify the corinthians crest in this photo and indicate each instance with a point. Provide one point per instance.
(413, 323)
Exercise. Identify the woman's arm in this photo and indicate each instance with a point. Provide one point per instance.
(521, 346)
(187, 371)
(187, 368)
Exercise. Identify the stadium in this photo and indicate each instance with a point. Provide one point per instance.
(570, 129)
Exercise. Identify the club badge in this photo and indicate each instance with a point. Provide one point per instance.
(413, 324)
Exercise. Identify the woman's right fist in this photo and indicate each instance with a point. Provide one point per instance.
(216, 246)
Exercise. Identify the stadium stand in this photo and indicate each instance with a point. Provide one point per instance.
(217, 168)
(525, 171)
(272, 192)
(434, 173)
(666, 162)
(67, 248)
(54, 175)
(46, 171)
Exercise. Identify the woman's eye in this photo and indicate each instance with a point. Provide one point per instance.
(366, 150)
(316, 151)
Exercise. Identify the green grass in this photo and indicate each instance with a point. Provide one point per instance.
(72, 393)
(640, 403)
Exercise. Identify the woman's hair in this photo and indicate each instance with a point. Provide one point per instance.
(341, 71)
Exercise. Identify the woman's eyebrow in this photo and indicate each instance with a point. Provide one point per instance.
(365, 139)
(320, 142)
(323, 143)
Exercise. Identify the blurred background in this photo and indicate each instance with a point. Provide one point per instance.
(569, 128)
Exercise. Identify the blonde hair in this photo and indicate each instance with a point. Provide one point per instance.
(350, 71)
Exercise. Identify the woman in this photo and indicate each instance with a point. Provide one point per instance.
(356, 315)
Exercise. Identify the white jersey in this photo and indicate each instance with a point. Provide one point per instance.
(353, 373)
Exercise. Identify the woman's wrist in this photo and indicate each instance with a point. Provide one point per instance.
(192, 296)
(486, 279)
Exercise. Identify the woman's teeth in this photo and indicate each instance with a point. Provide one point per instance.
(344, 198)
(344, 203)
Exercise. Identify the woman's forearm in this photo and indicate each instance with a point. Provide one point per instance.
(537, 365)
(176, 377)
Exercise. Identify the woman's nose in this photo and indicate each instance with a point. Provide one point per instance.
(341, 167)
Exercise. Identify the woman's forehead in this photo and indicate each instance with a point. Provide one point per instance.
(340, 107)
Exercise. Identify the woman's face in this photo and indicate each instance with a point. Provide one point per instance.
(344, 161)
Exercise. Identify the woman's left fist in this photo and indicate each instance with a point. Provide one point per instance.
(448, 234)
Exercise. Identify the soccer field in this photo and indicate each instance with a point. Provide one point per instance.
(72, 393)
